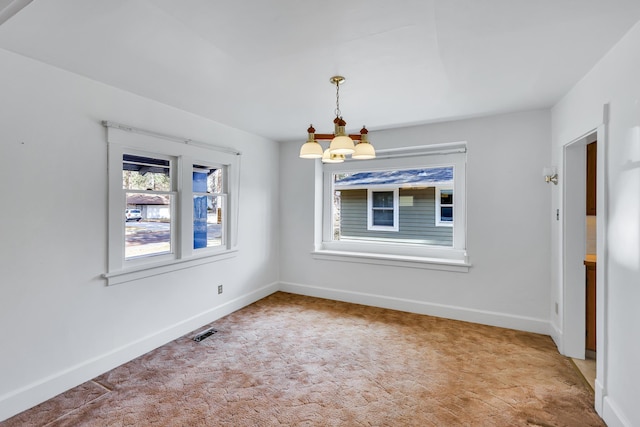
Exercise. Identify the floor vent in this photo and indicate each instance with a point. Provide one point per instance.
(204, 335)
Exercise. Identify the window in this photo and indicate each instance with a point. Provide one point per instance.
(406, 207)
(402, 205)
(209, 206)
(444, 207)
(168, 204)
(148, 186)
(382, 212)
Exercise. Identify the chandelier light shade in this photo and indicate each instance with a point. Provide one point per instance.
(364, 150)
(342, 144)
(329, 157)
(311, 149)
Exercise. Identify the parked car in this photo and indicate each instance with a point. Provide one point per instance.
(132, 215)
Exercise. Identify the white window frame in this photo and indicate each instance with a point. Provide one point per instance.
(395, 208)
(453, 258)
(183, 154)
(439, 206)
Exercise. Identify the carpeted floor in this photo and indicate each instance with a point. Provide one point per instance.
(299, 361)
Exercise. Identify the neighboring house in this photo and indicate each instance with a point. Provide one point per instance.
(414, 205)
(152, 206)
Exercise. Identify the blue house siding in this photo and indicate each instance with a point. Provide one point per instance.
(416, 222)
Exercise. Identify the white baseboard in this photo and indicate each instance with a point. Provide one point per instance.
(35, 393)
(599, 393)
(556, 336)
(612, 415)
(503, 320)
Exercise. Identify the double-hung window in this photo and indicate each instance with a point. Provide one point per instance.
(209, 206)
(171, 204)
(149, 189)
(406, 207)
(382, 212)
(444, 207)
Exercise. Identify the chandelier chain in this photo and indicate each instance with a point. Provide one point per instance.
(338, 113)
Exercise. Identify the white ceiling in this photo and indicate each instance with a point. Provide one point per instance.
(264, 65)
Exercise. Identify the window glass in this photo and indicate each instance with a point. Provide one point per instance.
(208, 207)
(148, 209)
(383, 217)
(444, 207)
(407, 209)
(383, 199)
(151, 233)
(214, 181)
(145, 173)
(446, 213)
(446, 197)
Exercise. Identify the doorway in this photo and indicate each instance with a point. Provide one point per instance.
(590, 260)
(576, 244)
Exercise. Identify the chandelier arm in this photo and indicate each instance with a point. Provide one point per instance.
(329, 136)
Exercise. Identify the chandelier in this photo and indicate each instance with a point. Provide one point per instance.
(342, 144)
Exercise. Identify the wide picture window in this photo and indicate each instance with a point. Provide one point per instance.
(169, 203)
(407, 206)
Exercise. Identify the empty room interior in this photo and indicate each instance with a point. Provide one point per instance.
(419, 212)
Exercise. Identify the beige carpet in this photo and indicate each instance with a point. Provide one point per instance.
(300, 361)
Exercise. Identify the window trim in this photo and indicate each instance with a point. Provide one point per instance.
(395, 254)
(439, 206)
(185, 153)
(370, 208)
(435, 263)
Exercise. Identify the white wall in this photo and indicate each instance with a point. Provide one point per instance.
(60, 324)
(615, 81)
(508, 229)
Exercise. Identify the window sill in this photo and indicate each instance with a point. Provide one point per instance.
(393, 260)
(142, 271)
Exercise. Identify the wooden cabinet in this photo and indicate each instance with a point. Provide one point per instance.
(590, 265)
(592, 162)
(590, 305)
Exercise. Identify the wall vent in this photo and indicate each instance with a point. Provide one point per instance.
(203, 335)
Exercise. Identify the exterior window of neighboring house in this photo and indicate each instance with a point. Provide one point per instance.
(382, 212)
(168, 205)
(444, 207)
(407, 205)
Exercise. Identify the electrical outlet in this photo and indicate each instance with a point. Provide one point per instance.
(219, 289)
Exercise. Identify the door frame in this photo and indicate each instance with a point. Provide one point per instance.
(573, 251)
